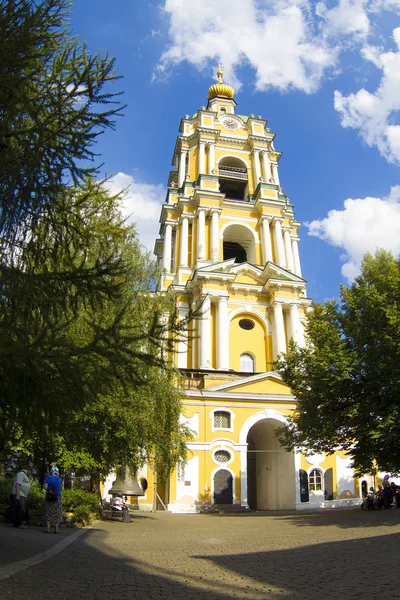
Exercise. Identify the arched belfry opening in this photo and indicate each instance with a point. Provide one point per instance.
(271, 483)
(239, 243)
(233, 180)
(236, 251)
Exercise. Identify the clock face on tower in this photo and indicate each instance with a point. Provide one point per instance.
(230, 124)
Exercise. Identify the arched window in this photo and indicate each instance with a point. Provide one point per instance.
(222, 419)
(315, 480)
(246, 363)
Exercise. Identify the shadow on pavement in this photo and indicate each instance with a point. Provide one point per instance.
(93, 569)
(352, 569)
(342, 518)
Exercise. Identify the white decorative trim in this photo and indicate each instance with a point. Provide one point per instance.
(240, 224)
(244, 381)
(268, 413)
(253, 312)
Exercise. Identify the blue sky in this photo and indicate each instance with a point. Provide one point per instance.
(326, 76)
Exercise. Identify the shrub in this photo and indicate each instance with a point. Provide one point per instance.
(5, 489)
(35, 496)
(81, 503)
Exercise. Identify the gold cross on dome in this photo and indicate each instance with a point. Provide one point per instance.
(220, 72)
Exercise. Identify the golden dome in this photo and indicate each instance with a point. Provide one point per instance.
(220, 89)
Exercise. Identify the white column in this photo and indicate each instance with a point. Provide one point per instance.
(195, 335)
(201, 234)
(205, 334)
(202, 156)
(278, 243)
(266, 240)
(182, 168)
(266, 167)
(182, 361)
(222, 334)
(296, 257)
(279, 330)
(167, 248)
(288, 250)
(211, 157)
(256, 167)
(215, 236)
(275, 175)
(183, 251)
(296, 325)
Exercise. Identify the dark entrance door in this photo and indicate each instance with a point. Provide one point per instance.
(304, 495)
(223, 493)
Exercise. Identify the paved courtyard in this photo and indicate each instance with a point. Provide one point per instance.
(341, 554)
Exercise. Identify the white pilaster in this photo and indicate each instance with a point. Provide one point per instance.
(266, 167)
(205, 334)
(183, 251)
(266, 240)
(222, 334)
(279, 330)
(278, 243)
(201, 234)
(215, 236)
(288, 250)
(297, 332)
(183, 341)
(275, 175)
(182, 168)
(296, 257)
(167, 248)
(202, 156)
(256, 167)
(211, 157)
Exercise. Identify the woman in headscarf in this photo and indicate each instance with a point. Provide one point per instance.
(52, 505)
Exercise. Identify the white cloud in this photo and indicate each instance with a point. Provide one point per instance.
(278, 39)
(376, 115)
(141, 206)
(362, 226)
(347, 17)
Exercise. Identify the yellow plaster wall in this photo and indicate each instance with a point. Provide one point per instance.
(251, 342)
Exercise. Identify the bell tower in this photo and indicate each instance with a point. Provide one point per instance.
(228, 246)
(229, 242)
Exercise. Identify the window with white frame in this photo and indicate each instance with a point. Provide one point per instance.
(222, 419)
(246, 363)
(315, 480)
(222, 456)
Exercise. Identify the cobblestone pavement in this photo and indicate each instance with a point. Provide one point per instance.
(337, 554)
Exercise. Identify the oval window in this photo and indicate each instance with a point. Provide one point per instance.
(246, 324)
(222, 456)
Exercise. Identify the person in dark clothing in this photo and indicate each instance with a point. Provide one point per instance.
(387, 492)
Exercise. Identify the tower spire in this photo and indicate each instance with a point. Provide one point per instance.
(220, 89)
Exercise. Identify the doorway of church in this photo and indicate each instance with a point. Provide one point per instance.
(223, 487)
(271, 483)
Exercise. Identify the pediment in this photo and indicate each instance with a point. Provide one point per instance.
(261, 383)
(273, 272)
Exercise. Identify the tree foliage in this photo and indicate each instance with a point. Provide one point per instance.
(347, 380)
(84, 344)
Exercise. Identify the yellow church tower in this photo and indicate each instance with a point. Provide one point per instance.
(229, 244)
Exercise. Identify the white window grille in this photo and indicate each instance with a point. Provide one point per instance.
(222, 419)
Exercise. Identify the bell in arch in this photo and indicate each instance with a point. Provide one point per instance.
(127, 486)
